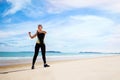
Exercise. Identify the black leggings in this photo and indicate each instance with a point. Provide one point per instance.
(43, 50)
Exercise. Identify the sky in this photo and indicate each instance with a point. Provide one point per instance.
(71, 25)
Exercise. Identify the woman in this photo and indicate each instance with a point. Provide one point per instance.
(39, 44)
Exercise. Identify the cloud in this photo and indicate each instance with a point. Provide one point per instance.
(9, 20)
(33, 12)
(80, 33)
(14, 37)
(16, 29)
(38, 8)
(65, 33)
(17, 5)
(113, 39)
(3, 44)
(70, 34)
(29, 8)
(63, 5)
(4, 34)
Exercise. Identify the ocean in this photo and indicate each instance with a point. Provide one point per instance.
(52, 54)
(7, 58)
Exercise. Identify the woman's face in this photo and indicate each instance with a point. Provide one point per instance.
(40, 27)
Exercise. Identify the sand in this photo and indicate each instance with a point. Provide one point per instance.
(102, 68)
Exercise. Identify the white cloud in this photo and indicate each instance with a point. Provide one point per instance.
(32, 11)
(18, 29)
(4, 34)
(7, 20)
(29, 8)
(61, 5)
(17, 5)
(113, 40)
(15, 36)
(57, 6)
(80, 33)
(73, 33)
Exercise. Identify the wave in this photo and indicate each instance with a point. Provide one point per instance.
(58, 56)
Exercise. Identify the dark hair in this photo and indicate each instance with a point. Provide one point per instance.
(39, 25)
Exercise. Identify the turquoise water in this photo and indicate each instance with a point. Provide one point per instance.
(25, 55)
(11, 58)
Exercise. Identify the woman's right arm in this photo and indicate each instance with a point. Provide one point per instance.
(31, 35)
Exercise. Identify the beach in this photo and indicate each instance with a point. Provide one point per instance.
(99, 68)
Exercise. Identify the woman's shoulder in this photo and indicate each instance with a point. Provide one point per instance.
(41, 32)
(44, 31)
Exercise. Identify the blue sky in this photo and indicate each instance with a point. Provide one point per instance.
(71, 25)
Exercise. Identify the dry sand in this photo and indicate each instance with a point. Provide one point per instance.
(103, 68)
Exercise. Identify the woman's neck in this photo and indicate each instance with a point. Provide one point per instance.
(39, 30)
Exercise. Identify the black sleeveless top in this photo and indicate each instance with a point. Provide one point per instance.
(40, 37)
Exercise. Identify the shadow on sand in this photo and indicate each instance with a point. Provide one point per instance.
(6, 72)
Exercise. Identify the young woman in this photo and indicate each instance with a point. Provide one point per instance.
(39, 44)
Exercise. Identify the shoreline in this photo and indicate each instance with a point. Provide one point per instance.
(23, 60)
(39, 61)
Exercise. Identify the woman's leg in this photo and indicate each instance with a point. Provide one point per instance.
(43, 50)
(37, 46)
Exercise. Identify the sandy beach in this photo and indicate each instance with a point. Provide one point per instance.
(102, 68)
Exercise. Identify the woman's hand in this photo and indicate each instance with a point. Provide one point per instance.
(29, 33)
(32, 36)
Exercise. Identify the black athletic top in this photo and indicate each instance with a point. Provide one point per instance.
(40, 37)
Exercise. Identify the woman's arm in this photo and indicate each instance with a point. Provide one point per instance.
(31, 35)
